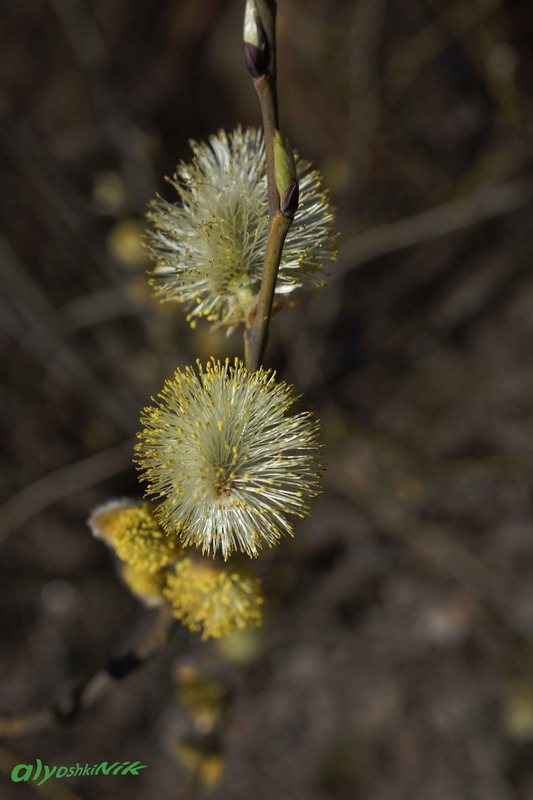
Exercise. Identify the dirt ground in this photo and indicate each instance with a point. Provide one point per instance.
(396, 662)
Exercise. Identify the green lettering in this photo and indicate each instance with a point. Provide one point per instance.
(16, 775)
(106, 769)
(48, 772)
(133, 768)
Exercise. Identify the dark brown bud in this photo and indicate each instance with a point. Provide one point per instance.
(255, 41)
(289, 200)
(255, 59)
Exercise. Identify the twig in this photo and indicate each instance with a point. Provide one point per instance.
(279, 222)
(261, 62)
(95, 308)
(428, 225)
(85, 694)
(42, 330)
(62, 483)
(266, 92)
(430, 542)
(427, 45)
(256, 338)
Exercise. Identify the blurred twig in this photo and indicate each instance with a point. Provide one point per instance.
(402, 519)
(364, 104)
(86, 693)
(130, 144)
(62, 483)
(410, 57)
(38, 327)
(428, 225)
(95, 308)
(481, 49)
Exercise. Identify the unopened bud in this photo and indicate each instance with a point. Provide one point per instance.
(289, 200)
(255, 43)
(286, 179)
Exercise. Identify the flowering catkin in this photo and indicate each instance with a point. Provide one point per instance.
(146, 585)
(209, 247)
(217, 599)
(133, 531)
(228, 464)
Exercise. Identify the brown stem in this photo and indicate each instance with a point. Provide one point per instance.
(256, 333)
(83, 695)
(267, 13)
(265, 88)
(255, 337)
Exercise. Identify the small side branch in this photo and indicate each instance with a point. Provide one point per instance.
(85, 694)
(262, 44)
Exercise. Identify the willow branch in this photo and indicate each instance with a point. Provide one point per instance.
(256, 335)
(266, 93)
(86, 693)
(266, 87)
(262, 64)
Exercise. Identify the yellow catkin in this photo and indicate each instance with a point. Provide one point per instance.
(147, 586)
(226, 462)
(217, 599)
(135, 534)
(212, 769)
(208, 247)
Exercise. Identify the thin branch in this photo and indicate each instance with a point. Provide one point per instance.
(85, 694)
(63, 483)
(256, 334)
(42, 331)
(440, 221)
(256, 338)
(95, 308)
(266, 92)
(412, 55)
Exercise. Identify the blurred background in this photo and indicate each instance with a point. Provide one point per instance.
(396, 662)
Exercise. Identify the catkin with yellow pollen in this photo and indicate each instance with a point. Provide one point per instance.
(217, 599)
(228, 464)
(147, 586)
(209, 247)
(133, 531)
